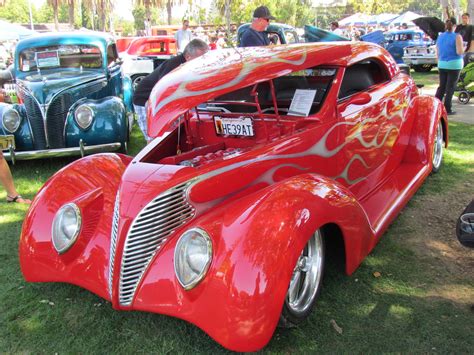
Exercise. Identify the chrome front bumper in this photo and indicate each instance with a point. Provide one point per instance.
(82, 150)
(420, 60)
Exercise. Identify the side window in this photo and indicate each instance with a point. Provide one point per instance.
(274, 38)
(362, 76)
(111, 54)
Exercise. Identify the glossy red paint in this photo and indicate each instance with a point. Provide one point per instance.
(151, 46)
(353, 163)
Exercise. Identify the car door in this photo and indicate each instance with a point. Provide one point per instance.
(371, 109)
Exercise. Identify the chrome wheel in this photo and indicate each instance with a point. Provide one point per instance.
(305, 282)
(438, 148)
(136, 80)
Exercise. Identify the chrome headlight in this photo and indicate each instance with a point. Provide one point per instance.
(11, 120)
(66, 227)
(192, 257)
(84, 116)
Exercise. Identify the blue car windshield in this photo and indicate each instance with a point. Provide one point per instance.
(61, 57)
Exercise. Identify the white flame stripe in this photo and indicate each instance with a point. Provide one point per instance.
(149, 231)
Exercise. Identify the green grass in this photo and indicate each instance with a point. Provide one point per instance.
(430, 79)
(392, 313)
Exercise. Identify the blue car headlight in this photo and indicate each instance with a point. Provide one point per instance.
(192, 257)
(83, 115)
(11, 120)
(66, 227)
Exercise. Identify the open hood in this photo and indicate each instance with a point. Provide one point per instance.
(432, 26)
(316, 34)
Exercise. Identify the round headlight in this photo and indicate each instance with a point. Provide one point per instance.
(192, 257)
(66, 227)
(84, 116)
(11, 120)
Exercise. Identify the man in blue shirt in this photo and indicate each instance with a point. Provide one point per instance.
(255, 34)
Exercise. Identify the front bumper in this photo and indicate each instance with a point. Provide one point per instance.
(420, 60)
(82, 150)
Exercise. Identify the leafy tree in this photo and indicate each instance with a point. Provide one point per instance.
(44, 14)
(16, 11)
(138, 13)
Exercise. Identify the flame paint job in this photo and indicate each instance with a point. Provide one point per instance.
(353, 165)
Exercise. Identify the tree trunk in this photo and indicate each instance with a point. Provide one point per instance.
(71, 14)
(169, 6)
(470, 8)
(55, 11)
(227, 14)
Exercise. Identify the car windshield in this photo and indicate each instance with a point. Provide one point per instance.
(60, 56)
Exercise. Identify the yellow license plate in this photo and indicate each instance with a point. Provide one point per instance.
(6, 142)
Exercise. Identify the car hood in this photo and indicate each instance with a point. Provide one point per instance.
(432, 26)
(46, 85)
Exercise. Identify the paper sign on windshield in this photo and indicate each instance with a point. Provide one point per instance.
(302, 102)
(47, 59)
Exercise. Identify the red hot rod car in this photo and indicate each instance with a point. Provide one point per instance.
(261, 156)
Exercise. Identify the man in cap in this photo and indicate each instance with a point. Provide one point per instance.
(255, 34)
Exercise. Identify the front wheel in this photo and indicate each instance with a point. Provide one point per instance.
(438, 148)
(305, 284)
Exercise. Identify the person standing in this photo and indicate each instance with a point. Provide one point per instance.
(465, 30)
(450, 62)
(255, 34)
(141, 94)
(183, 36)
(6, 180)
(335, 29)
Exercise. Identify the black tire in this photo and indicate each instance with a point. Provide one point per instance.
(136, 79)
(464, 97)
(305, 285)
(422, 68)
(438, 147)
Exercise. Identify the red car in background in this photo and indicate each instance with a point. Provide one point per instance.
(144, 54)
(262, 157)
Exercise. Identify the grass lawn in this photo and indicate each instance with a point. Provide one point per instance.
(400, 311)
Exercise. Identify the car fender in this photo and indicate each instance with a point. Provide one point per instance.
(427, 112)
(110, 123)
(23, 135)
(127, 92)
(93, 190)
(256, 242)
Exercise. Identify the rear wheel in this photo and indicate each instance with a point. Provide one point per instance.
(438, 148)
(422, 68)
(306, 282)
(464, 97)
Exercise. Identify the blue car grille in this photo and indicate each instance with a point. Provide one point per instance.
(56, 115)
(149, 231)
(33, 113)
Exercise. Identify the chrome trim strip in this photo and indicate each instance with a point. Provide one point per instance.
(113, 242)
(62, 152)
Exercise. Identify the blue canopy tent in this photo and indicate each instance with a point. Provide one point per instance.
(406, 17)
(357, 19)
(11, 32)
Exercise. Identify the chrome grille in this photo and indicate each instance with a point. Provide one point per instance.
(150, 229)
(56, 117)
(113, 242)
(35, 117)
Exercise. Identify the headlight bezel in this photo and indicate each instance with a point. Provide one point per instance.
(185, 237)
(91, 113)
(56, 227)
(17, 125)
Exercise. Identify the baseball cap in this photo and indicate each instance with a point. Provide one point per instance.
(262, 12)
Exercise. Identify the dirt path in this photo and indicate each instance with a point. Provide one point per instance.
(430, 225)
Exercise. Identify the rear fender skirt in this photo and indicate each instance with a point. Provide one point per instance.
(92, 184)
(427, 111)
(256, 242)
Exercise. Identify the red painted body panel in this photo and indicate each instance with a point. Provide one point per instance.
(151, 46)
(354, 163)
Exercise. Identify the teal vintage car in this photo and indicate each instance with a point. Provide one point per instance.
(73, 98)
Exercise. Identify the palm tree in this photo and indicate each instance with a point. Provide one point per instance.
(160, 4)
(55, 4)
(70, 4)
